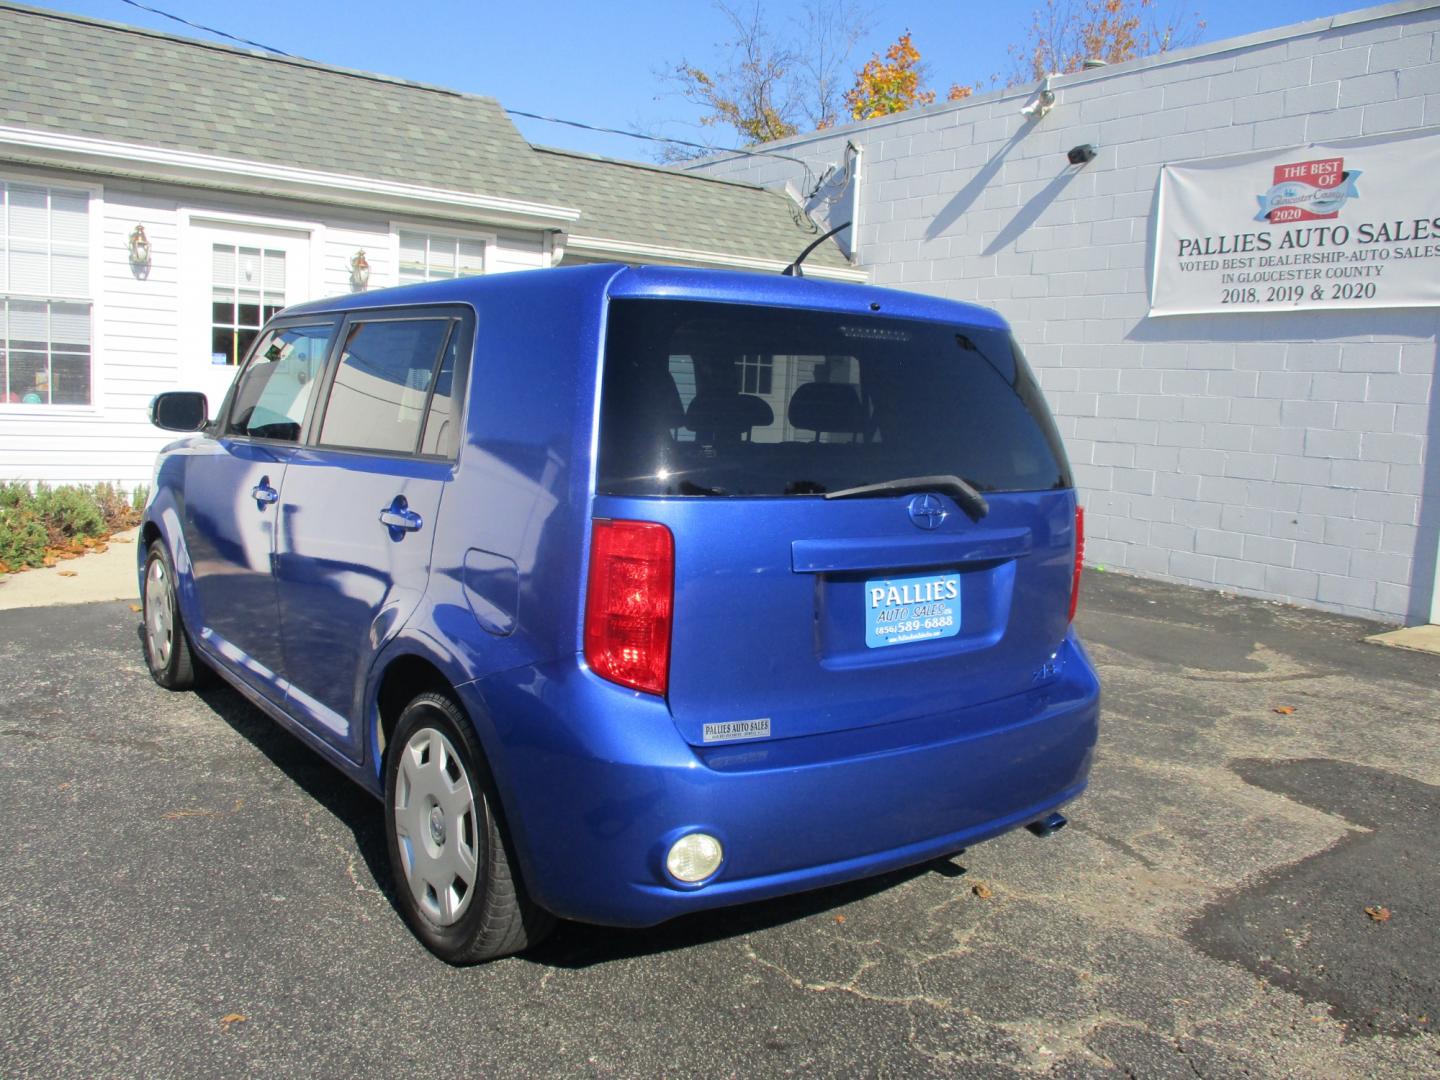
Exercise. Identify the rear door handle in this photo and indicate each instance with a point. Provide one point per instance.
(263, 493)
(398, 515)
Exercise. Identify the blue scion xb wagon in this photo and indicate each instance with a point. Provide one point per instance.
(634, 592)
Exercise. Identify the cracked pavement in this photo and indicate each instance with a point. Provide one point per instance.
(172, 862)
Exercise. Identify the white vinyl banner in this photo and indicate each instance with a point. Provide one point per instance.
(1337, 226)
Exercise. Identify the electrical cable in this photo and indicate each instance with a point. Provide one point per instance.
(663, 139)
(210, 29)
(513, 112)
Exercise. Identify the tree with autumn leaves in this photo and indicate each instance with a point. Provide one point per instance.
(1063, 34)
(893, 84)
(777, 84)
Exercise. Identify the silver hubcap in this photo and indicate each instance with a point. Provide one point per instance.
(159, 613)
(436, 826)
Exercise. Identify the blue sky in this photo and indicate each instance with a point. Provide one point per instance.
(596, 62)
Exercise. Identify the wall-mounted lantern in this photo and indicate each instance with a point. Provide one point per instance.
(139, 246)
(359, 271)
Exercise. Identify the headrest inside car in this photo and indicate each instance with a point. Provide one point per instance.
(829, 407)
(728, 414)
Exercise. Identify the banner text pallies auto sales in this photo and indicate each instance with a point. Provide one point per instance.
(1237, 252)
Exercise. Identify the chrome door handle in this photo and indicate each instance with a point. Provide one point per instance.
(398, 515)
(263, 493)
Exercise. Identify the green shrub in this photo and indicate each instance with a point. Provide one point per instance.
(117, 507)
(22, 537)
(14, 493)
(31, 521)
(69, 513)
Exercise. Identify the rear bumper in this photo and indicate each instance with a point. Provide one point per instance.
(597, 783)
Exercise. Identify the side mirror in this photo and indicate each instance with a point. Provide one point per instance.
(180, 410)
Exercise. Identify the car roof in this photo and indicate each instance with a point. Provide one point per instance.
(672, 283)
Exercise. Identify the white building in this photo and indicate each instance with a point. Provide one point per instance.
(160, 197)
(1286, 454)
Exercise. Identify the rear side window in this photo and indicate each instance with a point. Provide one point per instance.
(713, 399)
(383, 383)
(273, 392)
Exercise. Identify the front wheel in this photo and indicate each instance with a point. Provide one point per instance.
(447, 845)
(168, 654)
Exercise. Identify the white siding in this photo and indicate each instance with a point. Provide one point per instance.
(140, 331)
(517, 251)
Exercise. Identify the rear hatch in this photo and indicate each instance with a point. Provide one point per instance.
(873, 517)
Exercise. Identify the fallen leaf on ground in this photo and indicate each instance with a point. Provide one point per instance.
(98, 548)
(232, 1018)
(88, 541)
(1285, 710)
(839, 918)
(48, 560)
(4, 568)
(982, 891)
(122, 539)
(67, 573)
(134, 607)
(1378, 914)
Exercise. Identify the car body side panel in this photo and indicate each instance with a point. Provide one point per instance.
(506, 578)
(347, 582)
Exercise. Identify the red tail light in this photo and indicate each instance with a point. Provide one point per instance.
(629, 602)
(1079, 558)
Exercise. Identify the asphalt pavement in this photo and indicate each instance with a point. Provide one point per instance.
(187, 891)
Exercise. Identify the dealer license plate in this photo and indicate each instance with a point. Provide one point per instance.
(920, 608)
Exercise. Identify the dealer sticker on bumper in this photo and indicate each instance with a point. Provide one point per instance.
(733, 730)
(899, 610)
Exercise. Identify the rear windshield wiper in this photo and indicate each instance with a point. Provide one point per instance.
(970, 500)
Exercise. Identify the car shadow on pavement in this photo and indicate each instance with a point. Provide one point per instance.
(581, 945)
(349, 804)
(572, 945)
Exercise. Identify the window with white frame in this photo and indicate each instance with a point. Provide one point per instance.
(427, 256)
(247, 287)
(44, 295)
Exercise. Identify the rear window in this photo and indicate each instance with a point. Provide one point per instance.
(720, 399)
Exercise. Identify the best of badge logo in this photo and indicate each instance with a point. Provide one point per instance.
(1308, 191)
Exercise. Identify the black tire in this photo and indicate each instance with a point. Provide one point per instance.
(168, 653)
(494, 917)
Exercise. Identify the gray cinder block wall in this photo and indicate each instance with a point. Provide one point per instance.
(1281, 455)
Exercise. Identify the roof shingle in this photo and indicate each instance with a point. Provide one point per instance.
(77, 76)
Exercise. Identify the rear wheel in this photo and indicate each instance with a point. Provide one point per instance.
(168, 654)
(453, 872)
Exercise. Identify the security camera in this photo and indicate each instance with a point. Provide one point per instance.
(1042, 103)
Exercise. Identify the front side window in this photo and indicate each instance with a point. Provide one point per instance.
(44, 295)
(383, 383)
(426, 256)
(275, 388)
